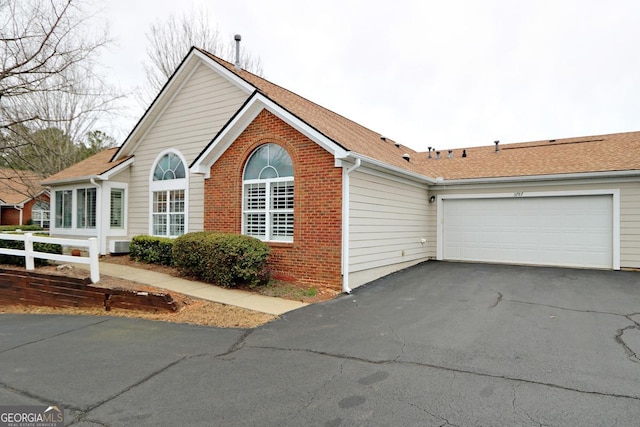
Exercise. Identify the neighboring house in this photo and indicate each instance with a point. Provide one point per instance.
(222, 149)
(22, 199)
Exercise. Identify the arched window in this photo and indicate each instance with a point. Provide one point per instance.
(168, 196)
(170, 166)
(267, 208)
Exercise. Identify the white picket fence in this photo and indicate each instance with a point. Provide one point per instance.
(30, 255)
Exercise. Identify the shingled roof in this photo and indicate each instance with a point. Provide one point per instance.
(604, 153)
(344, 132)
(601, 153)
(18, 186)
(90, 167)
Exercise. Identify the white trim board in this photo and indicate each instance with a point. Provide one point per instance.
(256, 104)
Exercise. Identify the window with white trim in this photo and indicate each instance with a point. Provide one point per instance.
(168, 196)
(75, 209)
(169, 167)
(116, 208)
(86, 210)
(40, 213)
(267, 201)
(63, 206)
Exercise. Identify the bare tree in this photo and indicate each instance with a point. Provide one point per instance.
(170, 40)
(49, 80)
(43, 48)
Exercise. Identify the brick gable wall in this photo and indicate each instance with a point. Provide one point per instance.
(314, 257)
(11, 215)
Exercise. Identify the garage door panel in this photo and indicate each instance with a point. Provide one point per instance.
(568, 230)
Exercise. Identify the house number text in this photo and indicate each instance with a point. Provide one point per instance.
(518, 194)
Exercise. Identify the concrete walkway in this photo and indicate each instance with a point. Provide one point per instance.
(205, 291)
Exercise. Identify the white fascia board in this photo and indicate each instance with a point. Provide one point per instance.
(232, 77)
(394, 170)
(82, 179)
(66, 181)
(532, 178)
(172, 88)
(28, 198)
(40, 193)
(116, 170)
(223, 140)
(244, 117)
(157, 107)
(303, 127)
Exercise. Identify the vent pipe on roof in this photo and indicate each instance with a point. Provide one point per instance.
(450, 155)
(464, 153)
(437, 154)
(429, 152)
(406, 156)
(497, 148)
(237, 38)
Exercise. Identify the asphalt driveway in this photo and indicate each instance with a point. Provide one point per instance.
(438, 344)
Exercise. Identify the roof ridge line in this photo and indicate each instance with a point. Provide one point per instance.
(551, 143)
(231, 68)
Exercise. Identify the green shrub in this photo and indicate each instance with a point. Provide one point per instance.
(49, 248)
(152, 250)
(221, 258)
(10, 228)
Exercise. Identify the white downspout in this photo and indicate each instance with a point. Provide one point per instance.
(345, 225)
(102, 240)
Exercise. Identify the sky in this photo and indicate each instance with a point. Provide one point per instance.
(425, 73)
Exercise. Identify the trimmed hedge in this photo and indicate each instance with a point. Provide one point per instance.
(50, 248)
(224, 259)
(11, 228)
(151, 250)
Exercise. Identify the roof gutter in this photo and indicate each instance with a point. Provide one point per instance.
(70, 180)
(104, 176)
(377, 164)
(531, 178)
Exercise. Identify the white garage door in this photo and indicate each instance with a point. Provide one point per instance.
(565, 231)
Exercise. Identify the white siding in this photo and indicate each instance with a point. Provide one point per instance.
(629, 207)
(387, 222)
(630, 225)
(189, 122)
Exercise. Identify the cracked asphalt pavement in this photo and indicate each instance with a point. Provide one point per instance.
(439, 344)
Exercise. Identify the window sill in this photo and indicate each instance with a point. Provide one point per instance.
(280, 244)
(74, 231)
